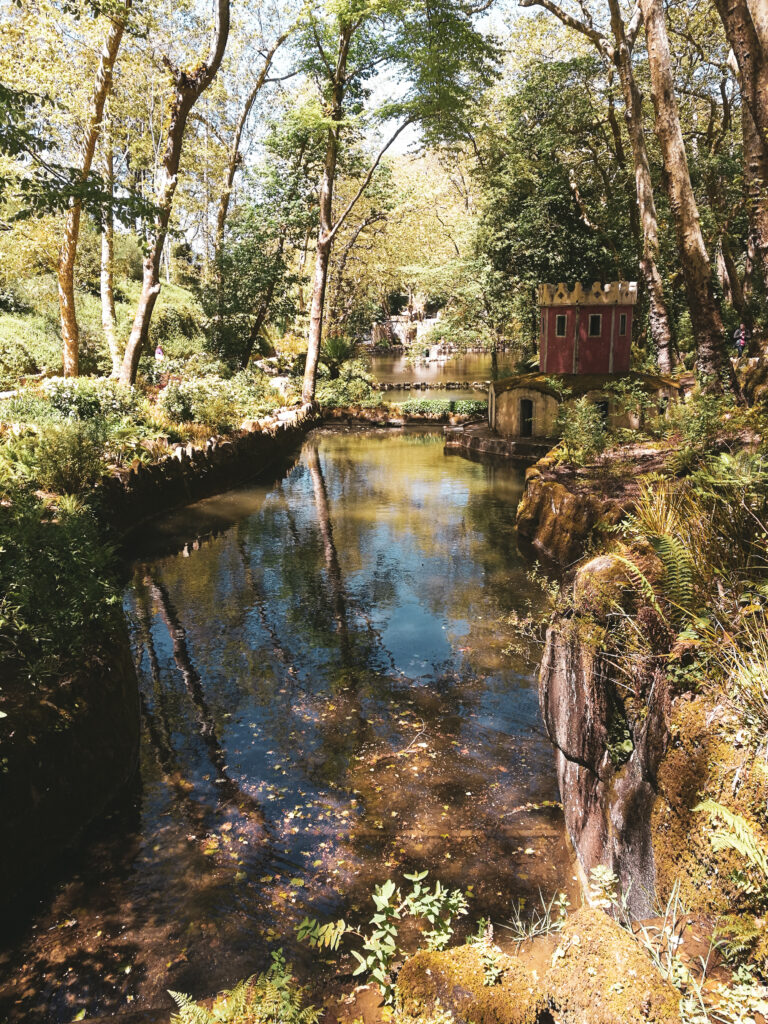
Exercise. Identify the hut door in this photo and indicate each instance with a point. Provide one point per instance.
(526, 417)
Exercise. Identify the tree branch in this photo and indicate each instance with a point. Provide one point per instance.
(367, 179)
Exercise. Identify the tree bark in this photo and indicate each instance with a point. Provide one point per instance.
(661, 330)
(756, 179)
(714, 368)
(70, 332)
(325, 231)
(745, 41)
(108, 317)
(188, 87)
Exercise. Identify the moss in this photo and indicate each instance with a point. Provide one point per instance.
(601, 975)
(454, 980)
(703, 760)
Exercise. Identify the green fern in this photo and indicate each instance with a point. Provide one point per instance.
(641, 581)
(270, 998)
(733, 832)
(678, 583)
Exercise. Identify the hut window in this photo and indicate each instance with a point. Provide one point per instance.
(622, 325)
(595, 325)
(560, 325)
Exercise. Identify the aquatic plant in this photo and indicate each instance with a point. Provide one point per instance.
(436, 906)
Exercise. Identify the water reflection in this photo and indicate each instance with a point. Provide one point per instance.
(326, 702)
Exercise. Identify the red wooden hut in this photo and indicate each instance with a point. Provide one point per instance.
(586, 330)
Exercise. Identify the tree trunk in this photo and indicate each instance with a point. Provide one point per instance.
(752, 59)
(326, 228)
(188, 87)
(661, 330)
(108, 317)
(233, 160)
(714, 368)
(70, 332)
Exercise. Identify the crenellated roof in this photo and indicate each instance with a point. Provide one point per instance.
(617, 293)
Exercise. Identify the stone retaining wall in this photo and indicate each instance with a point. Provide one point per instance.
(188, 473)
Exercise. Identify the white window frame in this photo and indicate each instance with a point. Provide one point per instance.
(564, 318)
(591, 333)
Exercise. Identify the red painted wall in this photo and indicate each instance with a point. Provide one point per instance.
(594, 354)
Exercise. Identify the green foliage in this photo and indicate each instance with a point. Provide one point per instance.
(678, 581)
(336, 351)
(353, 386)
(57, 589)
(444, 406)
(15, 361)
(222, 404)
(733, 832)
(87, 398)
(270, 998)
(427, 406)
(64, 458)
(582, 431)
(436, 906)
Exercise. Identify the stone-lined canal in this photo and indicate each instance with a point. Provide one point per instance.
(327, 702)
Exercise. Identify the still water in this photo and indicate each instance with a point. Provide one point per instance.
(327, 702)
(472, 366)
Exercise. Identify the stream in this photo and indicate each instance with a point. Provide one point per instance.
(327, 702)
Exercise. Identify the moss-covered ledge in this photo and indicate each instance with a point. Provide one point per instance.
(66, 751)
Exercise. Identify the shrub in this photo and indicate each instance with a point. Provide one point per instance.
(57, 589)
(427, 406)
(354, 386)
(471, 407)
(68, 457)
(15, 361)
(582, 430)
(89, 397)
(220, 403)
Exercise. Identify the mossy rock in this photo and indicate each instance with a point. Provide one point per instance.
(599, 586)
(702, 761)
(601, 975)
(454, 979)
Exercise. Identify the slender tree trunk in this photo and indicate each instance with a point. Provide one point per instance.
(233, 160)
(730, 278)
(661, 330)
(70, 332)
(714, 367)
(325, 231)
(108, 317)
(188, 87)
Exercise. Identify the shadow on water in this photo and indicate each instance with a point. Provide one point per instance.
(326, 702)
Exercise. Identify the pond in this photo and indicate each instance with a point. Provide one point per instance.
(327, 702)
(399, 368)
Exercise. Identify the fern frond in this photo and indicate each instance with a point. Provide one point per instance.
(678, 580)
(642, 582)
(737, 835)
